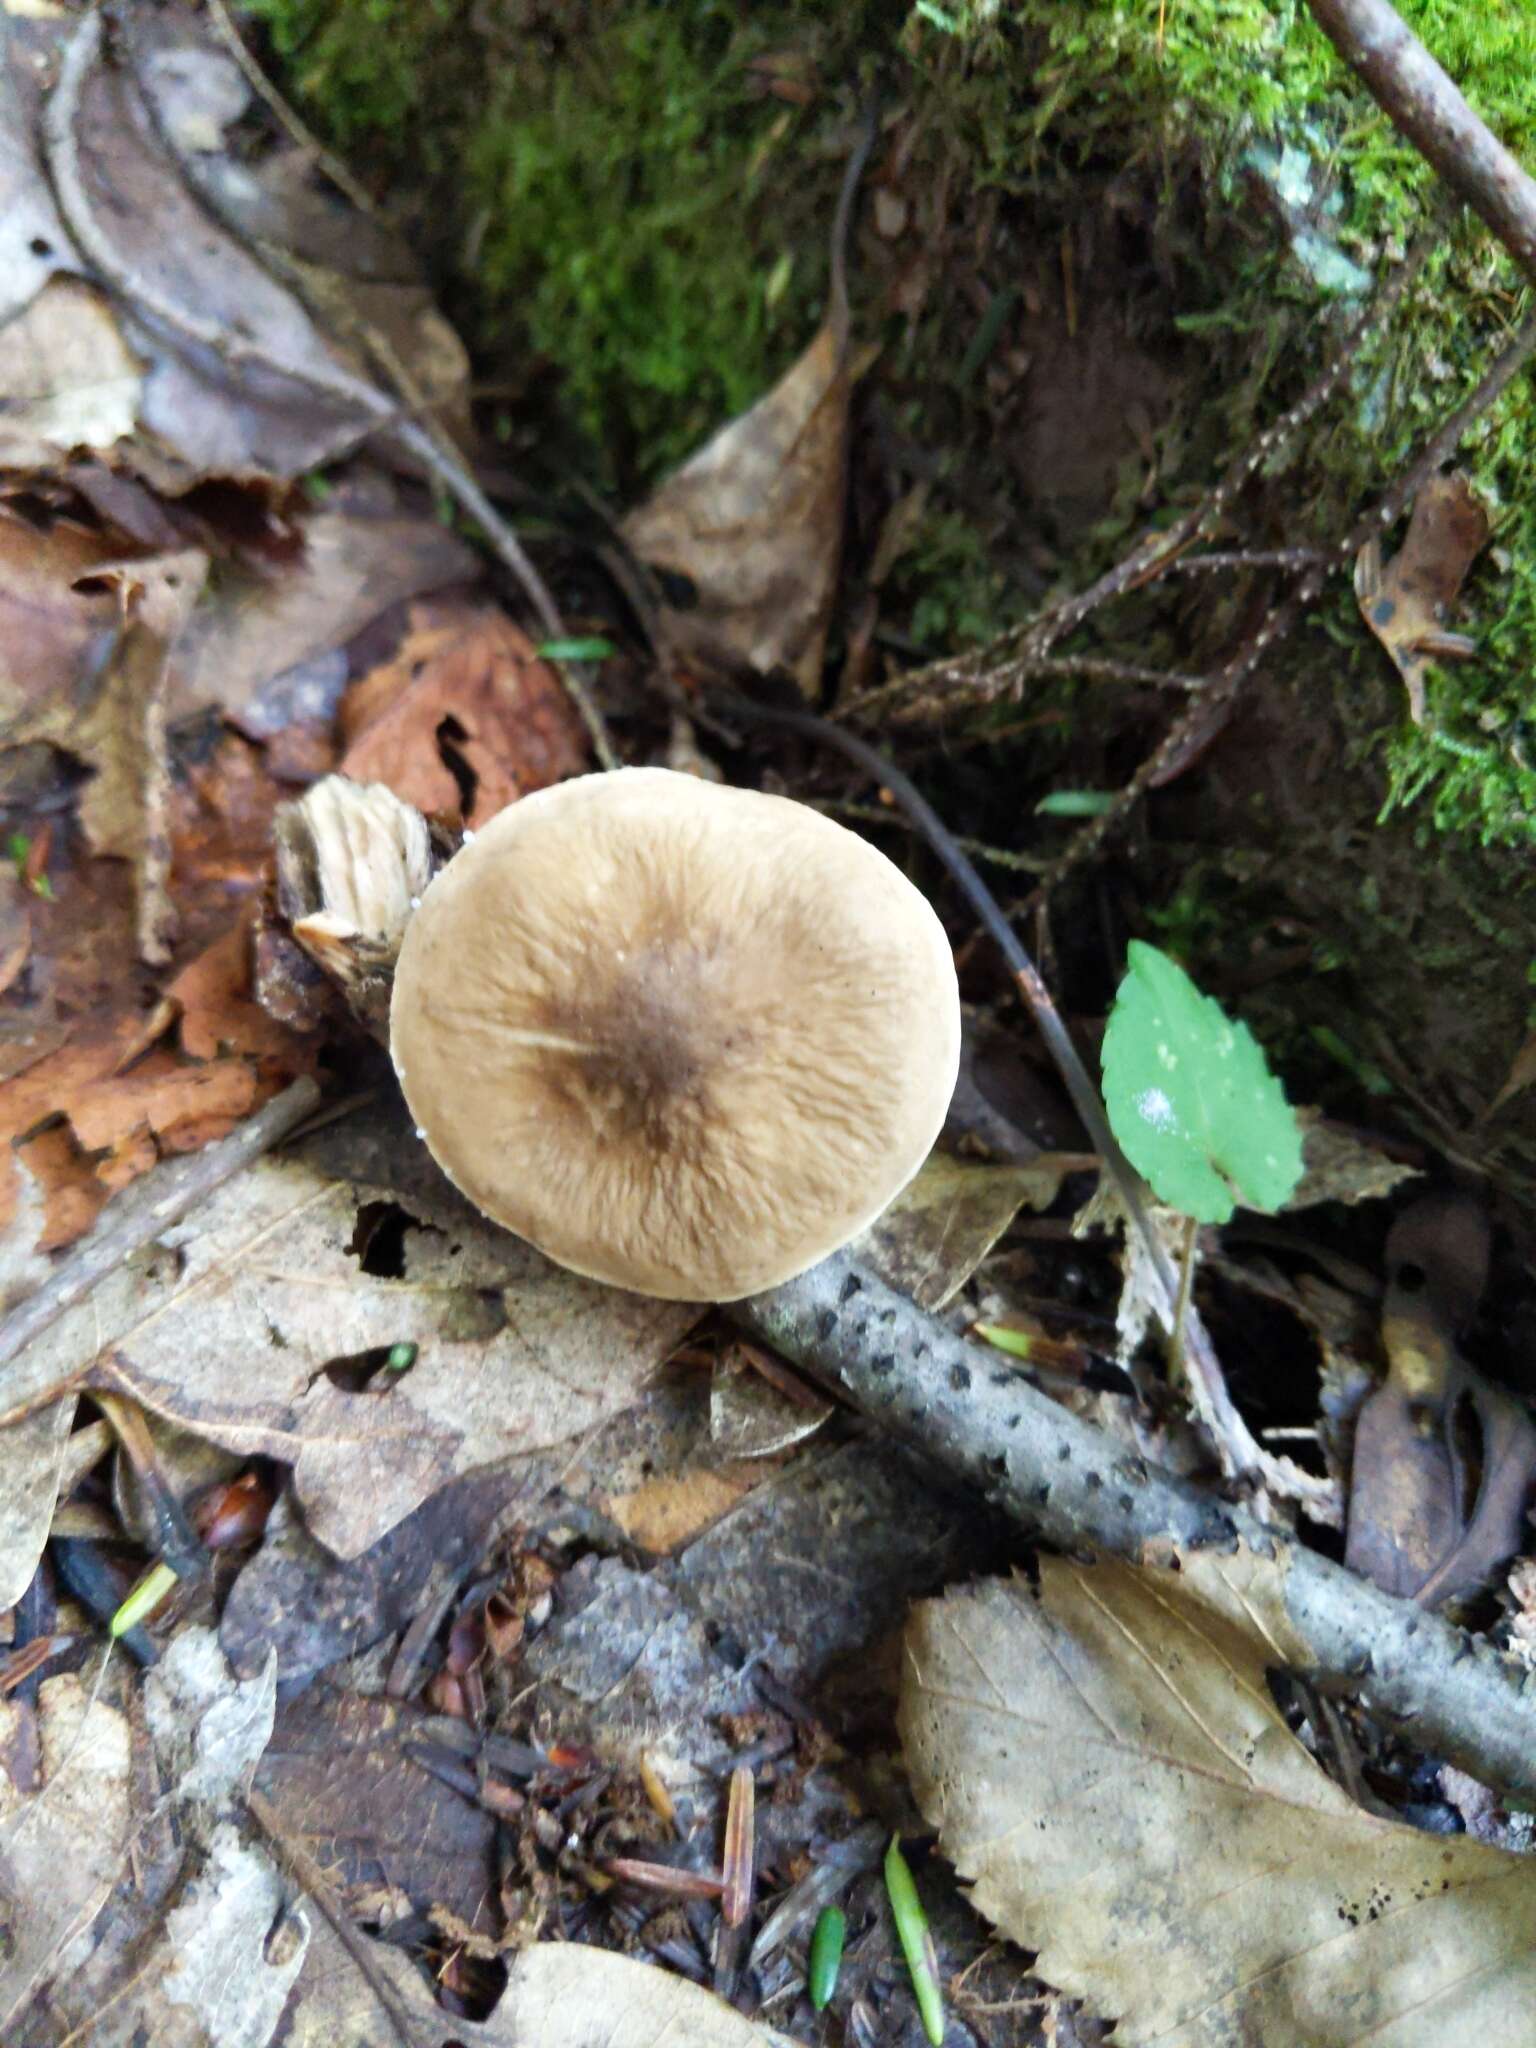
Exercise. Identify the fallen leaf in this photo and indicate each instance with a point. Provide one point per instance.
(1405, 603)
(513, 1354)
(340, 1775)
(34, 1450)
(218, 1011)
(1337, 1165)
(560, 1994)
(63, 1849)
(465, 719)
(1108, 1771)
(754, 521)
(55, 636)
(69, 379)
(1522, 1072)
(664, 1515)
(231, 1954)
(941, 1226)
(357, 557)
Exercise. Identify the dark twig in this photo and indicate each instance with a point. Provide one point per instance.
(421, 438)
(132, 1222)
(1427, 106)
(1010, 661)
(1438, 450)
(962, 1406)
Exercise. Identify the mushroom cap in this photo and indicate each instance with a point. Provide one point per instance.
(684, 1038)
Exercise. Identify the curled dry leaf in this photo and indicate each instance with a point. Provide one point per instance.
(941, 1226)
(1108, 1770)
(754, 521)
(1405, 603)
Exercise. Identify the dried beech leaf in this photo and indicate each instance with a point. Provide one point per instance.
(1405, 602)
(464, 719)
(229, 1333)
(754, 521)
(1108, 1770)
(1339, 1166)
(941, 1226)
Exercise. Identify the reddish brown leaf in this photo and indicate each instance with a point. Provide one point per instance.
(466, 692)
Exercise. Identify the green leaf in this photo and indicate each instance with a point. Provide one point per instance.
(1191, 1097)
(576, 650)
(1075, 803)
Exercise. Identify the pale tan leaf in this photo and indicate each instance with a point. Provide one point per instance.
(941, 1226)
(229, 1330)
(560, 1994)
(63, 1848)
(1107, 1768)
(754, 521)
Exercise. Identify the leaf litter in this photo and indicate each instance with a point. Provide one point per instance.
(1110, 1775)
(405, 1389)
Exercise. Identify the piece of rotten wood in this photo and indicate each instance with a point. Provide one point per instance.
(969, 1410)
(1426, 105)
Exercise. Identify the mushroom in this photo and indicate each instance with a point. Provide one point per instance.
(684, 1038)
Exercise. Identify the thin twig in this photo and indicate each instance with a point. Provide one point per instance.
(284, 115)
(130, 1224)
(1009, 660)
(422, 439)
(1427, 106)
(1438, 450)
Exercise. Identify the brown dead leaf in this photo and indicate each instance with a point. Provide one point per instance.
(1108, 1770)
(219, 1012)
(664, 1515)
(1522, 1072)
(941, 1226)
(1338, 1165)
(55, 637)
(232, 1340)
(466, 712)
(359, 555)
(1405, 603)
(754, 521)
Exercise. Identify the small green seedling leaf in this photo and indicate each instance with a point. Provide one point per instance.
(1191, 1097)
(1075, 803)
(1017, 1343)
(576, 650)
(916, 1942)
(826, 1955)
(142, 1600)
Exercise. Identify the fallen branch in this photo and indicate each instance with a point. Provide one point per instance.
(1439, 448)
(133, 1221)
(976, 1415)
(1009, 662)
(1424, 103)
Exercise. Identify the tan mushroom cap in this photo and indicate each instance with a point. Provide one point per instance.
(683, 1038)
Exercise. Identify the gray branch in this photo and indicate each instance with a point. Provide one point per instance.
(1066, 1480)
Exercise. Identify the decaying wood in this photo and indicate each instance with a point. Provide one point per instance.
(975, 1414)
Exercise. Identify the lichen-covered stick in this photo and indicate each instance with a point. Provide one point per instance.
(979, 1418)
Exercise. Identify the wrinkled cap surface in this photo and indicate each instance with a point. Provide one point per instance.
(683, 1038)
